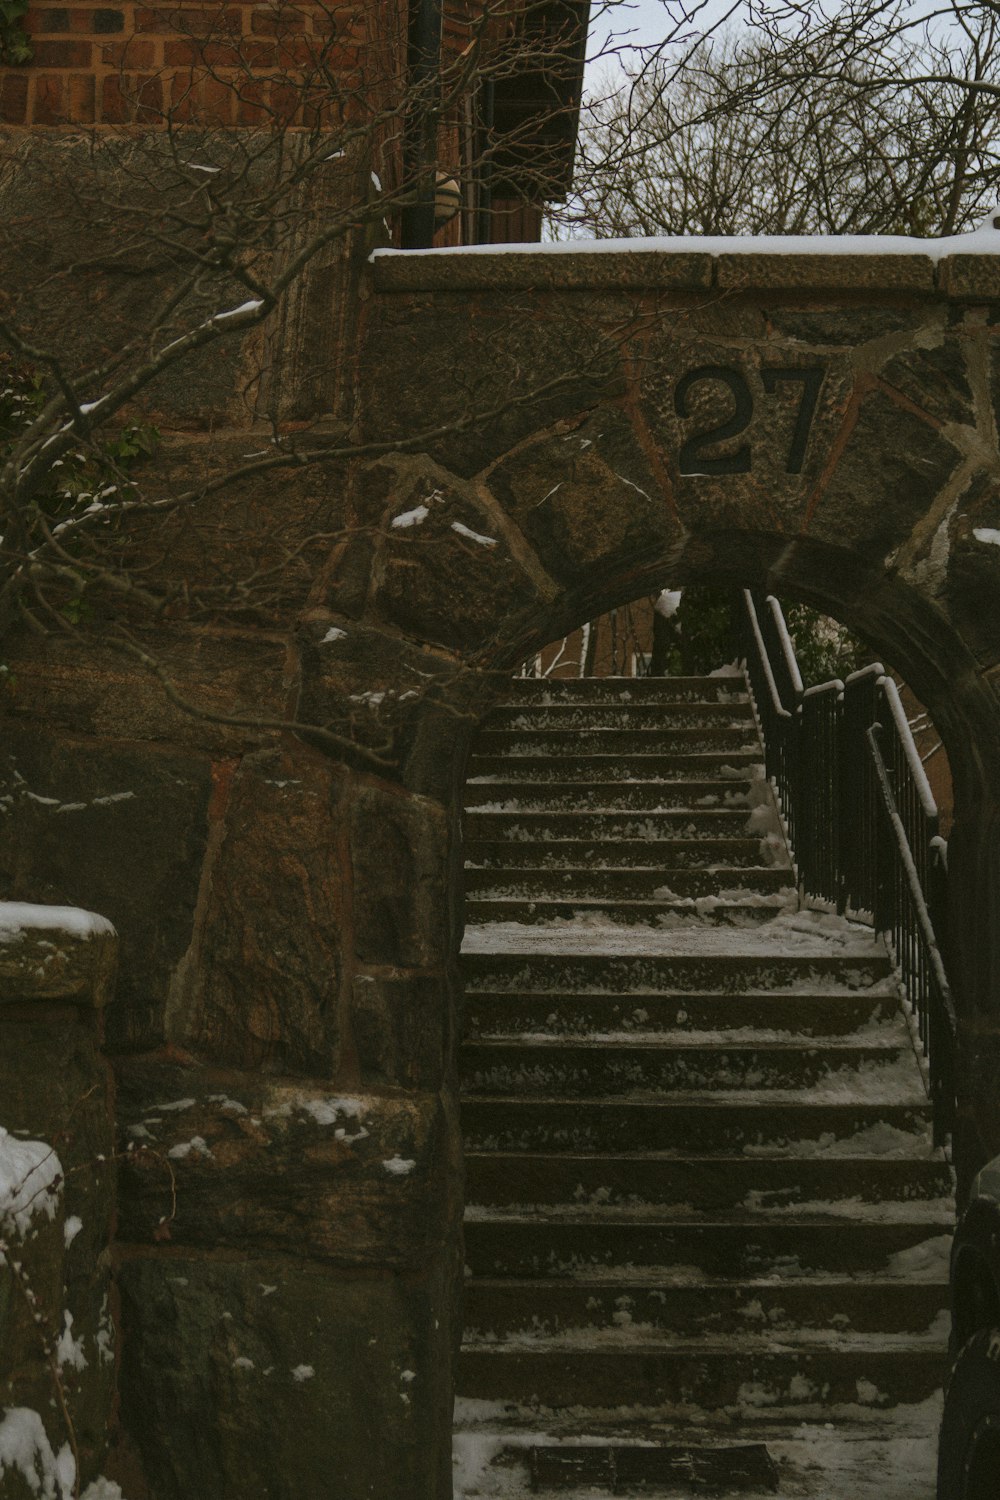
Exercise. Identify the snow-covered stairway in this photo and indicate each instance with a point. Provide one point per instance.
(703, 1204)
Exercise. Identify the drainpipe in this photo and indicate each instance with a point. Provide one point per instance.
(423, 66)
(487, 109)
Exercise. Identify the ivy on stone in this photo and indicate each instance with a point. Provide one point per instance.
(14, 44)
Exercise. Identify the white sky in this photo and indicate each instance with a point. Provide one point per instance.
(643, 23)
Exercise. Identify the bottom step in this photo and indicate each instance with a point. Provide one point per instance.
(849, 1455)
(622, 1470)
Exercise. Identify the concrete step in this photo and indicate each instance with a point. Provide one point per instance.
(746, 913)
(865, 1453)
(587, 767)
(608, 796)
(625, 743)
(621, 854)
(618, 1469)
(672, 973)
(683, 1125)
(580, 1069)
(646, 884)
(505, 1243)
(671, 1372)
(508, 1309)
(592, 827)
(557, 690)
(713, 1183)
(665, 717)
(510, 1013)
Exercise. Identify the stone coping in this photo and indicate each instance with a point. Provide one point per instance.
(56, 953)
(965, 277)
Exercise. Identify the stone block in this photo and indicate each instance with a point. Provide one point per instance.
(275, 1380)
(399, 1027)
(261, 987)
(586, 496)
(57, 1209)
(117, 826)
(478, 380)
(399, 851)
(226, 1160)
(891, 469)
(88, 688)
(973, 278)
(935, 378)
(548, 267)
(446, 558)
(825, 272)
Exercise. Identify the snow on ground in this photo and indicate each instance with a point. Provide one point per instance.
(846, 1454)
(798, 934)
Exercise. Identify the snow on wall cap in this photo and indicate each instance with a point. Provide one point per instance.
(984, 237)
(55, 953)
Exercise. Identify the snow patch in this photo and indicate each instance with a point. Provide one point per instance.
(396, 1166)
(19, 917)
(25, 1449)
(31, 1177)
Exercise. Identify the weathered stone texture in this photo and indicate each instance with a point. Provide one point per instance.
(891, 470)
(290, 1167)
(119, 826)
(399, 853)
(55, 1089)
(585, 494)
(261, 986)
(323, 1380)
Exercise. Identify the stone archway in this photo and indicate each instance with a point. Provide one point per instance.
(562, 431)
(820, 424)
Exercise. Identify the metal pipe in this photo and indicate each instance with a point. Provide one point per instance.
(487, 120)
(423, 67)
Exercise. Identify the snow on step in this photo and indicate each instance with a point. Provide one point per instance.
(700, 1175)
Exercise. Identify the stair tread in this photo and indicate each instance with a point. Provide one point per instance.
(625, 1340)
(899, 1043)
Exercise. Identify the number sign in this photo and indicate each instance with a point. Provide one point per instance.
(693, 457)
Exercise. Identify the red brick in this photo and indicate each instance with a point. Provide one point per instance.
(198, 99)
(61, 54)
(273, 20)
(286, 100)
(243, 55)
(49, 108)
(82, 103)
(186, 22)
(132, 97)
(14, 98)
(44, 20)
(250, 109)
(137, 52)
(93, 21)
(181, 54)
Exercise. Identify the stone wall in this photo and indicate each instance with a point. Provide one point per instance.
(282, 858)
(58, 1388)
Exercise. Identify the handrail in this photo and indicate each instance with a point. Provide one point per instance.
(861, 818)
(921, 963)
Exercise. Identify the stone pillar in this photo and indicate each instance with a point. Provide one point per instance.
(57, 1200)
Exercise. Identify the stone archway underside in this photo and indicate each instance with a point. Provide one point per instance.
(564, 430)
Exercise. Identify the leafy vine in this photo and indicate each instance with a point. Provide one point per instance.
(14, 44)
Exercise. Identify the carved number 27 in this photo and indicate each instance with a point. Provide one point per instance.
(693, 458)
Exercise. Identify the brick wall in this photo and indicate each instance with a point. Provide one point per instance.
(231, 64)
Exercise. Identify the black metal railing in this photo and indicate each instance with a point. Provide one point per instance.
(861, 819)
